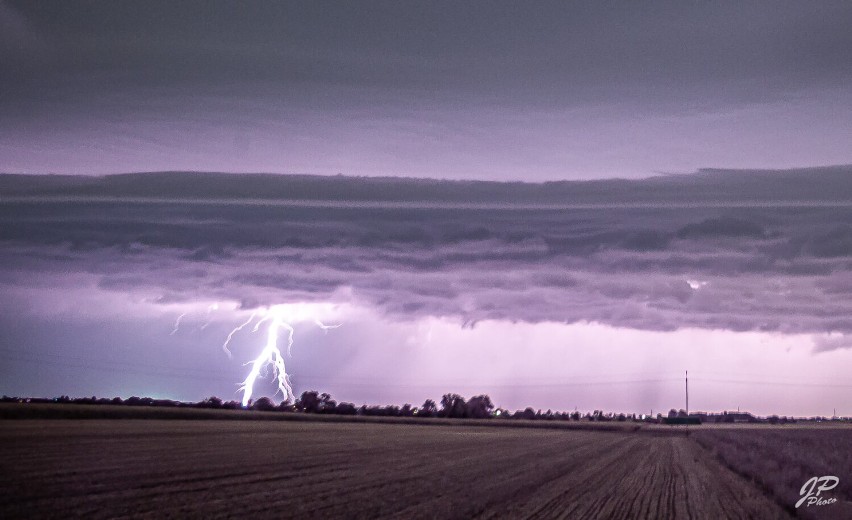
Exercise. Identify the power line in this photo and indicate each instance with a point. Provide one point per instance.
(478, 385)
(367, 381)
(775, 383)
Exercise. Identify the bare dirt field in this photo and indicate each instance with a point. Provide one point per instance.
(300, 469)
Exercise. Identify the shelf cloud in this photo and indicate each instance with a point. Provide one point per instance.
(768, 265)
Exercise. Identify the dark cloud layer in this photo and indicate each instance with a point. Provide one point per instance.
(442, 89)
(548, 53)
(707, 187)
(769, 267)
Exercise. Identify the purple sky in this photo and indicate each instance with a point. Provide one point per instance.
(466, 91)
(600, 302)
(590, 295)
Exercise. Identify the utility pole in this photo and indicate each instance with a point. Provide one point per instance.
(687, 393)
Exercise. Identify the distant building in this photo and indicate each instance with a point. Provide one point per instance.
(738, 417)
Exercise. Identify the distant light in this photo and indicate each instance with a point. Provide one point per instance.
(696, 284)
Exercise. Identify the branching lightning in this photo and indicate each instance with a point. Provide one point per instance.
(207, 320)
(234, 331)
(277, 317)
(271, 355)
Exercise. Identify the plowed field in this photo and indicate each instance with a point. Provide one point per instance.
(98, 469)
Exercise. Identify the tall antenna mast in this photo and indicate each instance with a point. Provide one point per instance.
(687, 393)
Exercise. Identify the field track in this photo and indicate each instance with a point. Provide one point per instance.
(150, 468)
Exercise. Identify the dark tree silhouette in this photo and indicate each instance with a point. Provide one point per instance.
(479, 407)
(429, 409)
(309, 402)
(263, 404)
(327, 404)
(453, 405)
(346, 409)
(211, 402)
(529, 414)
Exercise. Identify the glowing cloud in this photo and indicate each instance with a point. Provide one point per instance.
(696, 284)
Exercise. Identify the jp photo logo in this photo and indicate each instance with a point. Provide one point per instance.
(818, 484)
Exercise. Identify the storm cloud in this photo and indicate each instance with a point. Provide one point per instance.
(778, 264)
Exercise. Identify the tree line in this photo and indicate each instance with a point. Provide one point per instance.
(451, 405)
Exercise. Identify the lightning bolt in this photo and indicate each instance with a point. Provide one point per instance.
(234, 331)
(270, 355)
(326, 327)
(177, 324)
(207, 321)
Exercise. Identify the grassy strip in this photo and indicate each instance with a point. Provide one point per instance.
(12, 411)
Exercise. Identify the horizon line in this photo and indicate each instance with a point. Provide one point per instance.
(653, 175)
